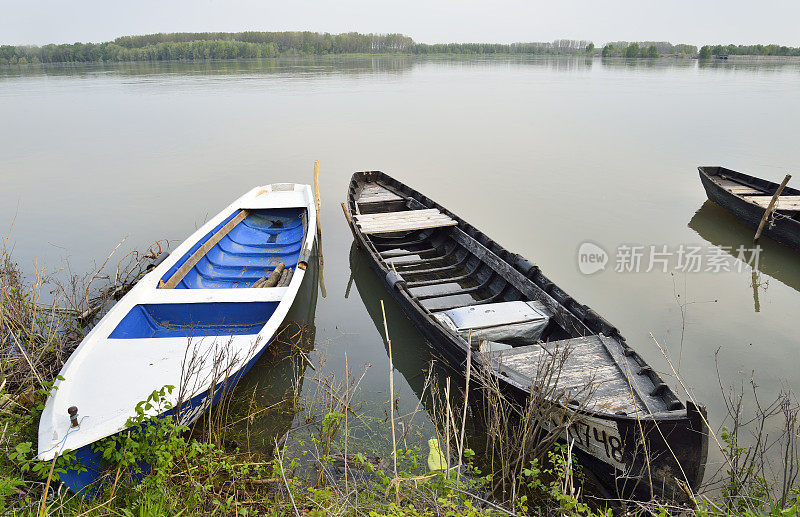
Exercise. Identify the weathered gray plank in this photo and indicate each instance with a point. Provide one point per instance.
(587, 363)
(374, 193)
(378, 197)
(791, 203)
(407, 224)
(395, 215)
(390, 222)
(736, 188)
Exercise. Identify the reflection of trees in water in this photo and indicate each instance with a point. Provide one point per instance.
(393, 64)
(749, 64)
(312, 66)
(620, 63)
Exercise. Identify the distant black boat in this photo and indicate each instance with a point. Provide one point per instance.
(747, 198)
(451, 280)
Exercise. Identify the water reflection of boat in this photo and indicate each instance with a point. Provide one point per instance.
(714, 224)
(412, 356)
(262, 407)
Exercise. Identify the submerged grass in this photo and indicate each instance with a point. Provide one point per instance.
(325, 453)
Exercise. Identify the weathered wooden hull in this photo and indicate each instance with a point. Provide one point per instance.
(785, 230)
(653, 449)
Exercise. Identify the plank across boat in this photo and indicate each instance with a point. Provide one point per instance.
(455, 283)
(195, 322)
(747, 198)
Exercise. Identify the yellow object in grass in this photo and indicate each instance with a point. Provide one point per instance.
(436, 460)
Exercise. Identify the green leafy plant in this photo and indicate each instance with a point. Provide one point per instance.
(152, 440)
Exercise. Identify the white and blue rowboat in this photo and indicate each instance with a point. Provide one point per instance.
(198, 322)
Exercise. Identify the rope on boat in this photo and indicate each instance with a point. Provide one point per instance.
(63, 441)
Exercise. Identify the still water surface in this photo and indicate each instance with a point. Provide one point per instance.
(543, 155)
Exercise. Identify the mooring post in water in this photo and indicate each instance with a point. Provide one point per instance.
(318, 204)
(317, 197)
(771, 207)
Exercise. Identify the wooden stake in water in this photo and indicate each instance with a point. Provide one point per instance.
(317, 197)
(771, 207)
(391, 388)
(318, 204)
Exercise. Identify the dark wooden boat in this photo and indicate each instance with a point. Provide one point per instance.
(747, 198)
(633, 432)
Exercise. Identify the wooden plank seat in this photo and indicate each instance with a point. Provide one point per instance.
(405, 221)
(737, 188)
(587, 361)
(790, 203)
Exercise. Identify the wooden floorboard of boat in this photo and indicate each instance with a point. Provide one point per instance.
(737, 188)
(587, 361)
(790, 203)
(743, 191)
(374, 193)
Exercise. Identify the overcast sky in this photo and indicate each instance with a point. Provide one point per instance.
(430, 21)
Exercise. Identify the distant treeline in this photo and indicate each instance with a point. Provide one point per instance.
(560, 46)
(708, 51)
(226, 45)
(646, 49)
(238, 45)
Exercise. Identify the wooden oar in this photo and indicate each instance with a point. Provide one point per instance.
(771, 207)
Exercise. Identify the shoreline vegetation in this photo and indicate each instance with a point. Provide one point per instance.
(186, 46)
(327, 455)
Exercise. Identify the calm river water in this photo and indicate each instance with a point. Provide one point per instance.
(543, 155)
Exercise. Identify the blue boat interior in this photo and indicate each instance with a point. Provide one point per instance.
(250, 251)
(193, 319)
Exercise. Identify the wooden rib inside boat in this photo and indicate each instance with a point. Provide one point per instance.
(455, 284)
